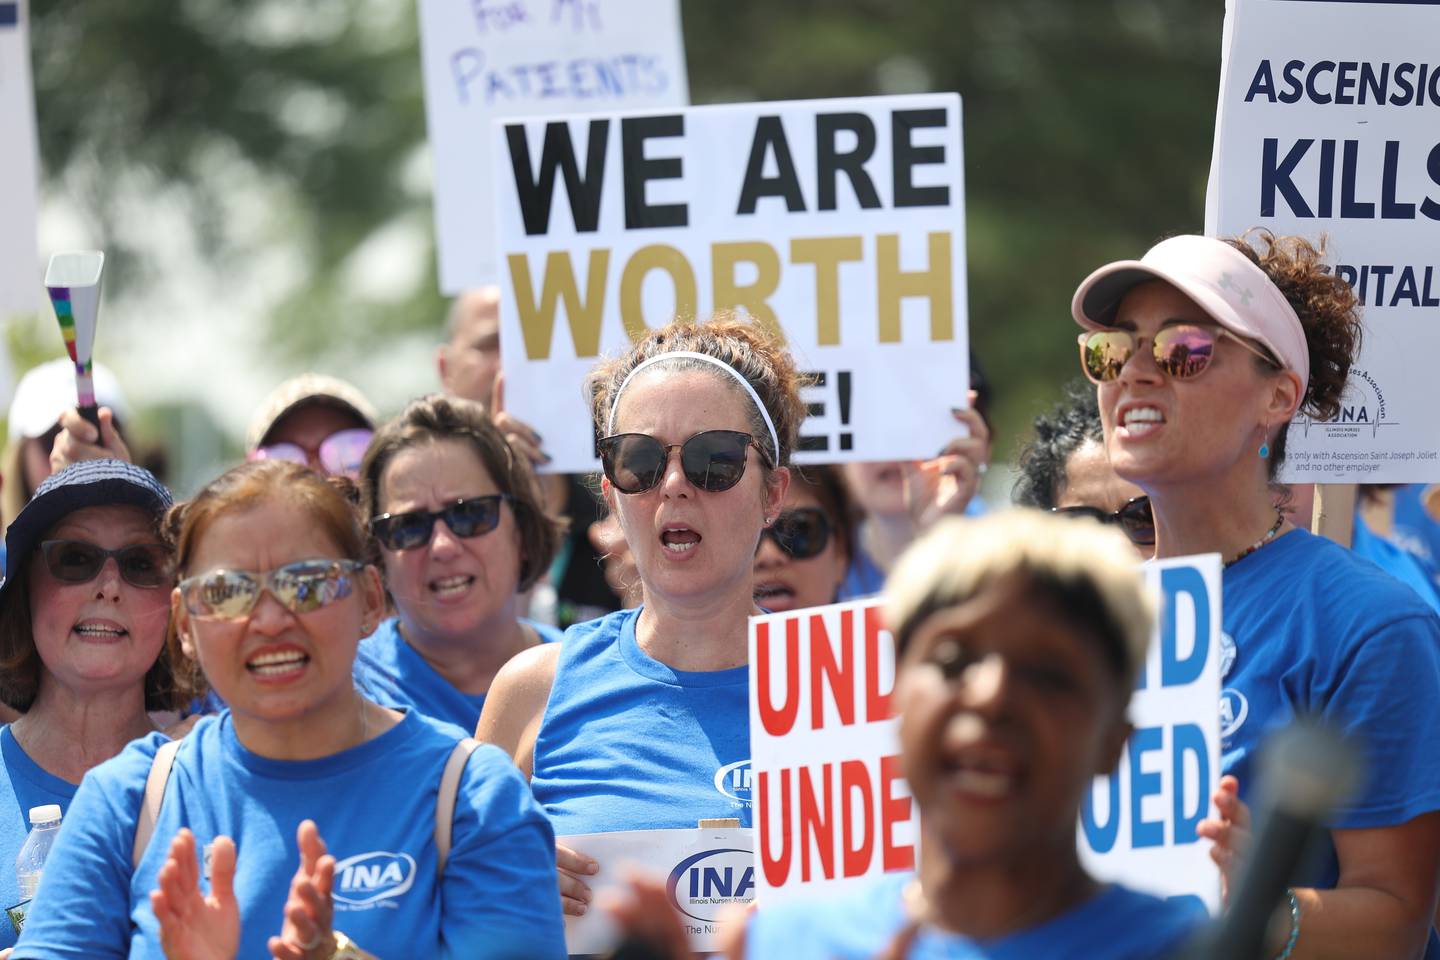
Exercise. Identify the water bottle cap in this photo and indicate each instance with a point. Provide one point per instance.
(48, 813)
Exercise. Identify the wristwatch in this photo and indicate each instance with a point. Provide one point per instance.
(345, 949)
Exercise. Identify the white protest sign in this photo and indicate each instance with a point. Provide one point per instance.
(707, 874)
(485, 59)
(20, 290)
(1329, 123)
(1137, 826)
(831, 807)
(839, 223)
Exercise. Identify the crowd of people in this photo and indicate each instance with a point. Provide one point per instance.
(352, 642)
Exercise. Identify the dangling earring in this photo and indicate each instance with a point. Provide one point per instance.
(1264, 444)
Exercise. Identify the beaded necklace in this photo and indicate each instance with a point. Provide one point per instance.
(1269, 535)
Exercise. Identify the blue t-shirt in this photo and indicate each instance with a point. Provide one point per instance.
(375, 807)
(862, 578)
(1116, 924)
(22, 785)
(1414, 529)
(1310, 627)
(628, 743)
(1396, 561)
(392, 673)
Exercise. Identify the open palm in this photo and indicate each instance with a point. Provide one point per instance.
(194, 926)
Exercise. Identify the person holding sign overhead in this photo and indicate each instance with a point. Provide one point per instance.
(1019, 637)
(1203, 351)
(625, 724)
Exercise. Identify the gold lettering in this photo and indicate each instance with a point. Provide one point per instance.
(656, 256)
(537, 315)
(826, 253)
(935, 283)
(754, 297)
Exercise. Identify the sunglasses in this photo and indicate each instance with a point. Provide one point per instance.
(1136, 519)
(713, 460)
(300, 587)
(339, 454)
(75, 561)
(801, 533)
(470, 517)
(1182, 351)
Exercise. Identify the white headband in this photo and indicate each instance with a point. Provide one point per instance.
(691, 355)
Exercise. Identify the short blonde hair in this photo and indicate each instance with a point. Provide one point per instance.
(1088, 571)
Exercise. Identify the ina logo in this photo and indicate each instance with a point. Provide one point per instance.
(1234, 708)
(368, 878)
(702, 885)
(1362, 410)
(734, 780)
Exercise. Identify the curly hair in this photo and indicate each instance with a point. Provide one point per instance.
(745, 347)
(1058, 434)
(1328, 310)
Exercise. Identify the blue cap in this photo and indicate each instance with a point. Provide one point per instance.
(89, 483)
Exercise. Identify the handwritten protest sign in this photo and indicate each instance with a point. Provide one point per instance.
(831, 806)
(1329, 123)
(838, 223)
(1138, 825)
(20, 289)
(487, 59)
(709, 874)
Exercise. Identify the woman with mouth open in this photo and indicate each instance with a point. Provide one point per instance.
(274, 595)
(1202, 353)
(83, 611)
(462, 532)
(625, 724)
(804, 555)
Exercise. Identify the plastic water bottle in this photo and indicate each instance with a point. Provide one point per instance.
(44, 824)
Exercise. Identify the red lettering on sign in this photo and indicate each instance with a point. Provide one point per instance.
(777, 722)
(893, 810)
(840, 678)
(817, 826)
(877, 701)
(855, 777)
(776, 868)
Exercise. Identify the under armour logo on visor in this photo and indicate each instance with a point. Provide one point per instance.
(1228, 283)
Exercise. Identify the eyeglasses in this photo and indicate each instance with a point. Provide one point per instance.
(1136, 519)
(802, 533)
(76, 561)
(1182, 351)
(713, 460)
(339, 454)
(300, 587)
(470, 517)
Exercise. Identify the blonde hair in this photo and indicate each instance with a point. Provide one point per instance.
(1088, 571)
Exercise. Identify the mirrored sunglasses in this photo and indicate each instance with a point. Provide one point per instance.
(802, 533)
(712, 460)
(1136, 519)
(339, 454)
(1182, 351)
(77, 561)
(300, 587)
(467, 517)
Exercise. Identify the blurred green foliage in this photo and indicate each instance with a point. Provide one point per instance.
(1088, 130)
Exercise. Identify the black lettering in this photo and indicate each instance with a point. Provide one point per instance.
(770, 137)
(1345, 82)
(558, 151)
(905, 156)
(1389, 209)
(829, 162)
(1402, 82)
(1263, 83)
(1327, 178)
(1324, 66)
(640, 170)
(1277, 176)
(1350, 208)
(1293, 86)
(1372, 87)
(1429, 207)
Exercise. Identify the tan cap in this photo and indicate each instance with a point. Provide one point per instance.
(308, 388)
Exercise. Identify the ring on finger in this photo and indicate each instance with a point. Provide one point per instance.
(314, 941)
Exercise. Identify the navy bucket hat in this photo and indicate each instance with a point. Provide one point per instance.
(90, 483)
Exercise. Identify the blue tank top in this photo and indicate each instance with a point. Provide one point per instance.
(628, 743)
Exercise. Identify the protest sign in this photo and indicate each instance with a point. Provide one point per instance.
(831, 807)
(1329, 123)
(485, 59)
(19, 251)
(708, 873)
(1137, 826)
(837, 223)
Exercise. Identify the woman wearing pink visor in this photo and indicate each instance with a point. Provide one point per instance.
(1203, 351)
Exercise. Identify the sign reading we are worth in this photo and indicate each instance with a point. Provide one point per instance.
(488, 59)
(1329, 124)
(839, 224)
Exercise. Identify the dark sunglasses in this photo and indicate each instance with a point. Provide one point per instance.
(801, 533)
(469, 517)
(713, 460)
(1182, 351)
(75, 561)
(1135, 519)
(300, 587)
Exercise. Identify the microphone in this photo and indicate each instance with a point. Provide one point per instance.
(1305, 772)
